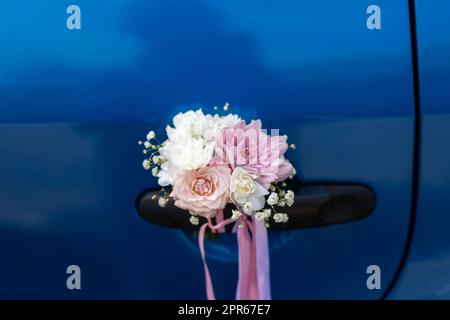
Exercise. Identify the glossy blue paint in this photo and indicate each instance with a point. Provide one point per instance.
(426, 274)
(73, 104)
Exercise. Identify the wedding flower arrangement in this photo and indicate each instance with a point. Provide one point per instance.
(209, 161)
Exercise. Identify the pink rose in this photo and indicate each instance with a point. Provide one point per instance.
(203, 191)
(248, 147)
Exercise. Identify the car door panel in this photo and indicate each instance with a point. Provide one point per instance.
(74, 104)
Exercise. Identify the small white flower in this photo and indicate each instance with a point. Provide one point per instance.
(236, 214)
(146, 164)
(194, 220)
(151, 135)
(162, 201)
(290, 202)
(248, 208)
(281, 193)
(156, 159)
(280, 217)
(281, 203)
(273, 199)
(289, 197)
(155, 171)
(259, 216)
(263, 215)
(293, 173)
(267, 213)
(147, 144)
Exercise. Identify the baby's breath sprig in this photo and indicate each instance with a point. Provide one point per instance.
(151, 150)
(279, 197)
(226, 107)
(153, 162)
(162, 197)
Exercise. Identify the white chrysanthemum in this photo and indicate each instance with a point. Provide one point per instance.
(186, 147)
(217, 123)
(190, 123)
(273, 199)
(280, 217)
(186, 154)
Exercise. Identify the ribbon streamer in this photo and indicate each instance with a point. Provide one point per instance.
(254, 265)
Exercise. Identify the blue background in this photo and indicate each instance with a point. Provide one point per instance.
(74, 103)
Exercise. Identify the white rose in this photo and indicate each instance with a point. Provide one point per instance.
(245, 190)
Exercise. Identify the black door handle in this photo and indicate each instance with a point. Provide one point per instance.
(315, 205)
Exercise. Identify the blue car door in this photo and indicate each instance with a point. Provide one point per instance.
(74, 102)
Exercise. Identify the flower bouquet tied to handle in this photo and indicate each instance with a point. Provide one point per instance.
(211, 160)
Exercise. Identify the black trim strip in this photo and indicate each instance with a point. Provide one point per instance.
(416, 151)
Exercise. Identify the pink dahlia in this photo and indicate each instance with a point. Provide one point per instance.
(248, 147)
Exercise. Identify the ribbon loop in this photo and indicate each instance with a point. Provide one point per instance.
(254, 271)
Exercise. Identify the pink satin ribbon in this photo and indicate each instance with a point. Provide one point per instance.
(254, 267)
